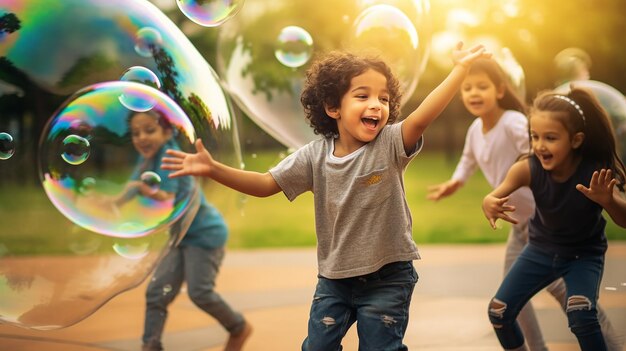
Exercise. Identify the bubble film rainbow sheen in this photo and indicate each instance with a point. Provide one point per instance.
(266, 83)
(58, 248)
(209, 13)
(294, 46)
(98, 107)
(7, 146)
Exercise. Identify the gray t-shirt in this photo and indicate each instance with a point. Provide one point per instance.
(362, 219)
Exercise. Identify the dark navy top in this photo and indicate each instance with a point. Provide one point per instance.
(565, 222)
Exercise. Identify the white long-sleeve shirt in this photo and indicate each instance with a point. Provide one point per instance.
(494, 153)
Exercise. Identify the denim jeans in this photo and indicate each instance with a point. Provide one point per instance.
(534, 270)
(198, 267)
(378, 302)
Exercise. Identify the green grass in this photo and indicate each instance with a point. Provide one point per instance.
(31, 225)
(276, 222)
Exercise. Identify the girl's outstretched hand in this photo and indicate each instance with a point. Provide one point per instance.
(466, 57)
(183, 163)
(600, 188)
(495, 208)
(439, 191)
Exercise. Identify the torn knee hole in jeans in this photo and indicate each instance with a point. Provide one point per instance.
(497, 308)
(328, 321)
(578, 303)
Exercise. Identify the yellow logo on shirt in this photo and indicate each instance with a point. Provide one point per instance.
(375, 179)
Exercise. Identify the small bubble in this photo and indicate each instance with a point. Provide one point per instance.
(152, 180)
(75, 149)
(147, 40)
(294, 46)
(7, 146)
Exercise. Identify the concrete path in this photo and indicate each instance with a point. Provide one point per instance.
(273, 288)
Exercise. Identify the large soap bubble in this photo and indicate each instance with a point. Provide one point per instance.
(613, 102)
(267, 87)
(56, 266)
(98, 109)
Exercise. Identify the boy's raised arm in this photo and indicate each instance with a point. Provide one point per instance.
(202, 164)
(414, 125)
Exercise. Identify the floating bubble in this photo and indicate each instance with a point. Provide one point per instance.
(209, 13)
(388, 32)
(7, 146)
(294, 46)
(141, 75)
(268, 90)
(152, 180)
(46, 268)
(147, 41)
(98, 106)
(75, 149)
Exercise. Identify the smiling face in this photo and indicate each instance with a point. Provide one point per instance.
(147, 135)
(480, 95)
(553, 144)
(363, 110)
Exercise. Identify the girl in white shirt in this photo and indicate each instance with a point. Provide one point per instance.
(494, 141)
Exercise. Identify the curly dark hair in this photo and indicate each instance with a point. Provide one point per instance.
(328, 79)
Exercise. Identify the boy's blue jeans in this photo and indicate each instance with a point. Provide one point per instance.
(378, 302)
(198, 267)
(534, 270)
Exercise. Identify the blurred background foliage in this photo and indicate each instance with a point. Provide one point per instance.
(534, 30)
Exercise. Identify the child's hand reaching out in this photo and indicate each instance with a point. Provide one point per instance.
(600, 188)
(183, 163)
(466, 57)
(495, 208)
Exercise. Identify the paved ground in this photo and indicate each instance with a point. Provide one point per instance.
(273, 288)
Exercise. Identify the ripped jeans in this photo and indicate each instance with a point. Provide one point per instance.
(378, 302)
(532, 271)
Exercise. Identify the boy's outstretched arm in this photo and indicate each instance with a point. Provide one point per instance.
(495, 203)
(432, 106)
(202, 164)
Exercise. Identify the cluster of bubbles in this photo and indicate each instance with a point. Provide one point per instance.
(263, 52)
(67, 101)
(66, 155)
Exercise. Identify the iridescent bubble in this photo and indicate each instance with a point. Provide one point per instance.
(147, 41)
(131, 99)
(152, 180)
(268, 90)
(100, 210)
(142, 75)
(294, 46)
(7, 146)
(390, 33)
(209, 13)
(75, 149)
(47, 261)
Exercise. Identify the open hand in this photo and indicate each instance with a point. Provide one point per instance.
(466, 57)
(439, 191)
(600, 188)
(495, 208)
(183, 163)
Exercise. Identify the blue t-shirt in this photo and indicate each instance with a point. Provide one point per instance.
(566, 221)
(208, 228)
